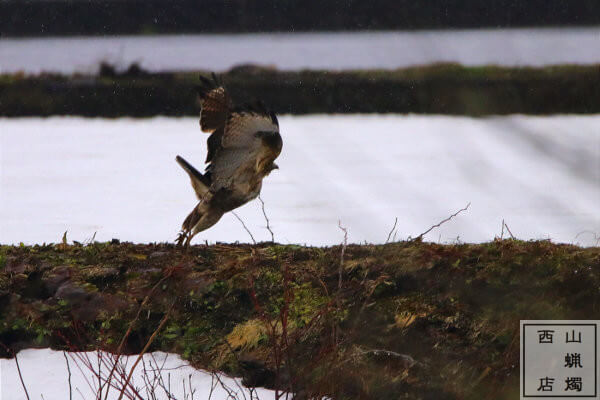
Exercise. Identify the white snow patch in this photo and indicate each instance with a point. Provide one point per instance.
(45, 374)
(118, 177)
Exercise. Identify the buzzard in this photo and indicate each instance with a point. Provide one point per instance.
(242, 147)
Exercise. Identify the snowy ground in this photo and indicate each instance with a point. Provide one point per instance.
(46, 376)
(292, 51)
(119, 178)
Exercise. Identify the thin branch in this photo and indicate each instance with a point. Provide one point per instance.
(406, 359)
(442, 222)
(389, 353)
(596, 235)
(129, 329)
(392, 231)
(508, 229)
(92, 239)
(245, 227)
(267, 219)
(344, 245)
(231, 394)
(86, 364)
(144, 350)
(69, 369)
(99, 360)
(212, 386)
(237, 360)
(21, 376)
(161, 382)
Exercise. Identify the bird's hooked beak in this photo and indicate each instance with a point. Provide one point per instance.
(270, 167)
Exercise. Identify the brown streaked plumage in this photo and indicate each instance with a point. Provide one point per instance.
(241, 149)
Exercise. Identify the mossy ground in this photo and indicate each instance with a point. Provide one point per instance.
(454, 309)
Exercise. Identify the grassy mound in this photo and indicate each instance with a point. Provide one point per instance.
(413, 319)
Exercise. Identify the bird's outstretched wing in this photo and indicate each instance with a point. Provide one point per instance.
(241, 127)
(215, 103)
(215, 106)
(239, 147)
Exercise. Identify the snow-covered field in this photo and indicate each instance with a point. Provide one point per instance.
(292, 51)
(119, 178)
(46, 376)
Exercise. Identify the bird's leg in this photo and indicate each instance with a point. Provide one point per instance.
(190, 235)
(181, 237)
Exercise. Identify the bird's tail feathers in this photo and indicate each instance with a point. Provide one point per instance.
(200, 183)
(192, 171)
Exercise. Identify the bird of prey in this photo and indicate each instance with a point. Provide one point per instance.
(242, 147)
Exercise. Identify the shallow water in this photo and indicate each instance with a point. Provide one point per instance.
(338, 51)
(118, 178)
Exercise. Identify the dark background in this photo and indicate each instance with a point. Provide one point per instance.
(85, 17)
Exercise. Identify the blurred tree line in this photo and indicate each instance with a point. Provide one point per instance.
(89, 17)
(435, 89)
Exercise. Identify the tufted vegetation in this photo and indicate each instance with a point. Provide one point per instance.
(447, 315)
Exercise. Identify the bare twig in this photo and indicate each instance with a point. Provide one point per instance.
(267, 219)
(161, 381)
(145, 349)
(213, 385)
(508, 229)
(245, 227)
(69, 370)
(344, 245)
(406, 359)
(392, 231)
(388, 353)
(90, 240)
(443, 222)
(86, 363)
(129, 329)
(21, 376)
(99, 359)
(502, 232)
(596, 235)
(192, 391)
(237, 361)
(158, 378)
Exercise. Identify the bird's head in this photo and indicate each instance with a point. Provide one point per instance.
(271, 139)
(271, 148)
